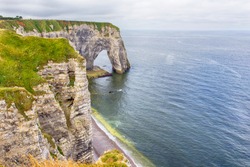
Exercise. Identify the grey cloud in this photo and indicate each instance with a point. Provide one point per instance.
(149, 14)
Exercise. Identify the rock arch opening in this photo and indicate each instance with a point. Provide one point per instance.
(102, 60)
(89, 42)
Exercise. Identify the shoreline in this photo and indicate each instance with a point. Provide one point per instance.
(113, 136)
(104, 141)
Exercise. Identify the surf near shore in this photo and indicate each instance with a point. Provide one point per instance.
(104, 141)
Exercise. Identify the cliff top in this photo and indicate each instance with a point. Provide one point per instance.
(20, 60)
(50, 25)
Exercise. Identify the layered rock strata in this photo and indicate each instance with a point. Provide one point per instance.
(20, 137)
(89, 41)
(57, 125)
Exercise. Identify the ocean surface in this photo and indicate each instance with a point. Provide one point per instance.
(185, 101)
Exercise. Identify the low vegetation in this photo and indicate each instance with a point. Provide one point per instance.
(49, 25)
(20, 60)
(19, 96)
(22, 57)
(113, 158)
(11, 18)
(49, 139)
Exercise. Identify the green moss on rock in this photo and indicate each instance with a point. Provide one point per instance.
(54, 156)
(60, 150)
(49, 139)
(71, 79)
(19, 96)
(97, 73)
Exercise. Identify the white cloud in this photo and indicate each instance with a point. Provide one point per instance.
(146, 14)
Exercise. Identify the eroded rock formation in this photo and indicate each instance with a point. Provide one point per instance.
(58, 124)
(20, 137)
(89, 42)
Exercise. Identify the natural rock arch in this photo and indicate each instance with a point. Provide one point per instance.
(94, 48)
(102, 60)
(89, 42)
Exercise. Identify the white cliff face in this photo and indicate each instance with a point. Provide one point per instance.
(58, 123)
(20, 137)
(67, 119)
(89, 42)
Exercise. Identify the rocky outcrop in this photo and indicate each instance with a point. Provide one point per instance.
(57, 125)
(89, 41)
(20, 137)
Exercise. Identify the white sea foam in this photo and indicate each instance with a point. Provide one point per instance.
(119, 90)
(169, 59)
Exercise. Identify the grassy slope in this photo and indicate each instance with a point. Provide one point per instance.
(20, 60)
(21, 57)
(45, 25)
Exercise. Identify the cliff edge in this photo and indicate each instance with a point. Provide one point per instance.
(44, 98)
(44, 101)
(88, 38)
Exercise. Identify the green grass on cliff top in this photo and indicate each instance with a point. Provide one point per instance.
(49, 25)
(20, 60)
(21, 57)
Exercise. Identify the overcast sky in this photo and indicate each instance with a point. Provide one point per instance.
(139, 14)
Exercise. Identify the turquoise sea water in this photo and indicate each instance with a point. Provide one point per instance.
(186, 99)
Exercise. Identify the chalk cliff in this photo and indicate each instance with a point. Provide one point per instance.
(58, 123)
(89, 40)
(52, 118)
(44, 101)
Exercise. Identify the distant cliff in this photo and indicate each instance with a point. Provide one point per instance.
(88, 38)
(44, 101)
